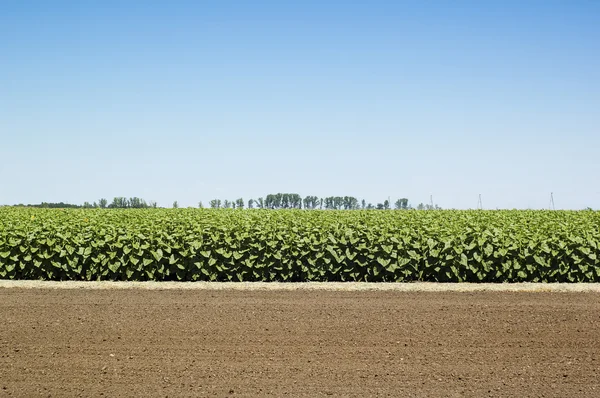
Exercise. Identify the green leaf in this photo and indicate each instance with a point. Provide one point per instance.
(158, 254)
(147, 261)
(383, 262)
(205, 253)
(114, 266)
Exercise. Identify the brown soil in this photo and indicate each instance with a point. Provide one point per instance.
(66, 343)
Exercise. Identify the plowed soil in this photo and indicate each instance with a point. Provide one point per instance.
(90, 343)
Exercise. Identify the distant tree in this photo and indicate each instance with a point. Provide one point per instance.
(87, 205)
(276, 201)
(421, 206)
(311, 202)
(282, 201)
(363, 204)
(404, 203)
(350, 203)
(270, 201)
(370, 206)
(315, 202)
(152, 204)
(334, 202)
(295, 201)
(401, 204)
(137, 203)
(226, 204)
(386, 204)
(95, 205)
(102, 203)
(119, 202)
(338, 202)
(261, 203)
(250, 203)
(200, 205)
(175, 205)
(215, 203)
(285, 201)
(239, 203)
(380, 206)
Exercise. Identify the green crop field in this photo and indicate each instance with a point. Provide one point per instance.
(296, 245)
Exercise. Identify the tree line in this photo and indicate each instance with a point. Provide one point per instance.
(270, 201)
(117, 203)
(295, 201)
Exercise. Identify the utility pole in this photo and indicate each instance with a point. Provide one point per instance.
(552, 201)
(479, 203)
(431, 201)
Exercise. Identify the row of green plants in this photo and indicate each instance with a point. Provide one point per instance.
(361, 245)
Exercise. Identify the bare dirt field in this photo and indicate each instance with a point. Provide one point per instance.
(230, 343)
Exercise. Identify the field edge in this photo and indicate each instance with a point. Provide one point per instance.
(314, 286)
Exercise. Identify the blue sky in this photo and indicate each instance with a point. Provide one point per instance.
(194, 100)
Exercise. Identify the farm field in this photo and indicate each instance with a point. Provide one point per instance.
(78, 342)
(296, 245)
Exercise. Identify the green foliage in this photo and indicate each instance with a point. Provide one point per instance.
(283, 201)
(401, 204)
(293, 245)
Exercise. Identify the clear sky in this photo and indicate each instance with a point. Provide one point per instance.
(194, 100)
